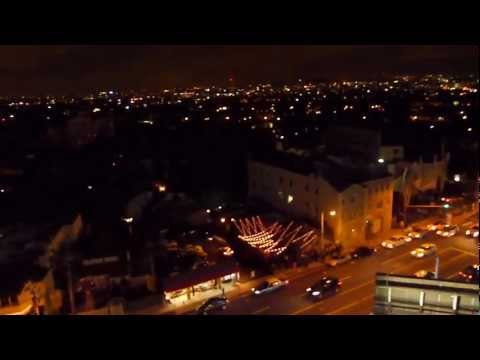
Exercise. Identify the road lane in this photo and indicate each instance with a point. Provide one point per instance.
(356, 296)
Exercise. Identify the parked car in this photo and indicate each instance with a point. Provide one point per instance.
(335, 260)
(326, 286)
(470, 274)
(226, 251)
(416, 233)
(437, 225)
(269, 286)
(396, 241)
(363, 251)
(472, 231)
(424, 250)
(448, 231)
(424, 274)
(213, 304)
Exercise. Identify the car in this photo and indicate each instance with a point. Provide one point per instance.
(226, 251)
(396, 241)
(416, 234)
(269, 286)
(335, 260)
(424, 274)
(326, 286)
(437, 225)
(424, 250)
(213, 304)
(470, 274)
(472, 231)
(448, 231)
(362, 251)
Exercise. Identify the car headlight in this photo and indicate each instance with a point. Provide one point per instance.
(257, 292)
(475, 234)
(316, 293)
(417, 236)
(309, 289)
(467, 232)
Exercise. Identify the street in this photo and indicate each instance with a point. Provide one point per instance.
(356, 295)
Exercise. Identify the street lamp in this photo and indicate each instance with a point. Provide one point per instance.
(381, 161)
(129, 222)
(332, 213)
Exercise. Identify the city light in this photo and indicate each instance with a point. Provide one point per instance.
(381, 161)
(222, 220)
(456, 178)
(128, 220)
(332, 212)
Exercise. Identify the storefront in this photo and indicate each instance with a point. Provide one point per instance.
(197, 283)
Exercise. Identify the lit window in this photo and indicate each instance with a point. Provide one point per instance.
(289, 199)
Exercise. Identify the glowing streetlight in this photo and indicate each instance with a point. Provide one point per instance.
(381, 161)
(128, 220)
(332, 212)
(89, 187)
(456, 178)
(222, 220)
(446, 206)
(208, 211)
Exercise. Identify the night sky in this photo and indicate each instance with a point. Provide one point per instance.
(77, 70)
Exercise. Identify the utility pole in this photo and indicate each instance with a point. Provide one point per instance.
(437, 266)
(70, 286)
(322, 229)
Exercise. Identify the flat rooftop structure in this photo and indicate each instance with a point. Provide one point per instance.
(407, 295)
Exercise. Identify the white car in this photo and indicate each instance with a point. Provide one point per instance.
(416, 235)
(269, 285)
(472, 231)
(447, 231)
(338, 260)
(424, 250)
(436, 226)
(396, 241)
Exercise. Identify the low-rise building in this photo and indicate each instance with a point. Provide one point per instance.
(355, 204)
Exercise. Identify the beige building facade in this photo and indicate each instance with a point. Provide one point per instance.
(356, 215)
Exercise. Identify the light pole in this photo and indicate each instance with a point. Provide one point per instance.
(129, 222)
(322, 225)
(437, 266)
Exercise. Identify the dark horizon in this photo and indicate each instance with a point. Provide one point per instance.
(79, 69)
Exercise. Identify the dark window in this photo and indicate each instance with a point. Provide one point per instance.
(307, 204)
(280, 180)
(379, 204)
(316, 191)
(253, 185)
(352, 199)
(396, 151)
(291, 183)
(307, 188)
